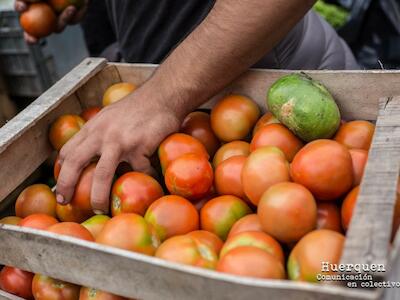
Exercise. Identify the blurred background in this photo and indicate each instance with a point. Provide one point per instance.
(370, 27)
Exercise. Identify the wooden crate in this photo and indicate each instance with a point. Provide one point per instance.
(24, 146)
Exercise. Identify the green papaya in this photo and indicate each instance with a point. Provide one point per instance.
(305, 106)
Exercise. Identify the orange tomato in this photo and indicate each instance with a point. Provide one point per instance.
(219, 214)
(95, 294)
(95, 224)
(17, 282)
(359, 158)
(197, 124)
(38, 221)
(133, 192)
(263, 168)
(36, 199)
(329, 217)
(39, 20)
(208, 238)
(267, 118)
(176, 145)
(247, 223)
(235, 148)
(71, 229)
(233, 117)
(63, 129)
(90, 112)
(305, 260)
(172, 215)
(190, 176)
(325, 168)
(251, 262)
(130, 232)
(12, 220)
(117, 91)
(356, 134)
(228, 179)
(287, 211)
(254, 239)
(189, 251)
(46, 288)
(279, 136)
(80, 208)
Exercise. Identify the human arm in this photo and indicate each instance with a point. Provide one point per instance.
(234, 36)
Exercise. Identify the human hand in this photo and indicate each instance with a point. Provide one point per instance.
(70, 15)
(129, 130)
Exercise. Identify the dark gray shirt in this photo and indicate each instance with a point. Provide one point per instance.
(148, 30)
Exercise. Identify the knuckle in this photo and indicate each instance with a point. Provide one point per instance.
(102, 173)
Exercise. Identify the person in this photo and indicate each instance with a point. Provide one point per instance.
(202, 46)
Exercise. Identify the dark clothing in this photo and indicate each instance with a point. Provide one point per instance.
(148, 30)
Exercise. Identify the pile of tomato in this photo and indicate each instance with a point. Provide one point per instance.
(240, 194)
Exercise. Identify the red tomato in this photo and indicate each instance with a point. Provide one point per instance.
(129, 232)
(325, 168)
(233, 117)
(60, 5)
(38, 221)
(287, 211)
(117, 91)
(254, 239)
(36, 199)
(251, 262)
(46, 288)
(133, 192)
(356, 134)
(172, 215)
(95, 224)
(279, 136)
(247, 223)
(208, 238)
(176, 145)
(63, 129)
(94, 294)
(79, 209)
(318, 246)
(39, 20)
(264, 167)
(267, 118)
(189, 251)
(228, 179)
(90, 112)
(219, 214)
(329, 217)
(190, 176)
(72, 229)
(359, 158)
(10, 220)
(235, 148)
(197, 124)
(16, 282)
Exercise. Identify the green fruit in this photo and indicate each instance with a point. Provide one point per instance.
(305, 106)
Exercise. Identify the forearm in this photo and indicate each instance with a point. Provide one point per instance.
(234, 36)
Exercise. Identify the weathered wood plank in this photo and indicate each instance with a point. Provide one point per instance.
(369, 233)
(23, 140)
(134, 275)
(357, 92)
(7, 296)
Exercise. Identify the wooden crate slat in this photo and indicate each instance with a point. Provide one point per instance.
(369, 233)
(134, 275)
(23, 140)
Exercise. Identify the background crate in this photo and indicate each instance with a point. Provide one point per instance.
(24, 146)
